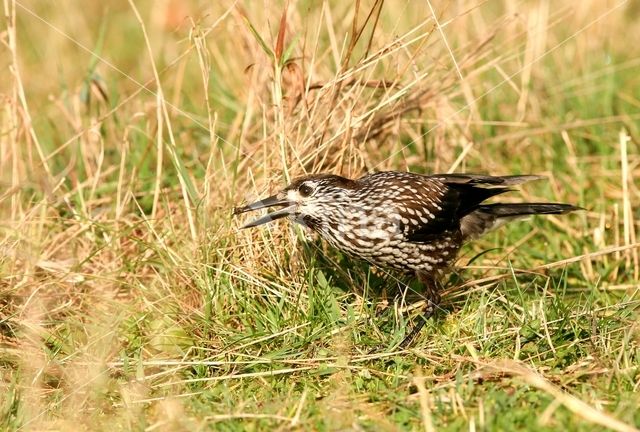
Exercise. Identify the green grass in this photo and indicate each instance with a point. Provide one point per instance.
(129, 299)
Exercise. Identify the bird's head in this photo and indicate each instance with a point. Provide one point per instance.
(307, 200)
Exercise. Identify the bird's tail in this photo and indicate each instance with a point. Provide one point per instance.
(490, 216)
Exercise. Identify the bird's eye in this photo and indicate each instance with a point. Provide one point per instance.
(305, 190)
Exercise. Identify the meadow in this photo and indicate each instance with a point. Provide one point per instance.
(130, 300)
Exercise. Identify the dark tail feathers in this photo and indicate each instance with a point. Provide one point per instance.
(490, 216)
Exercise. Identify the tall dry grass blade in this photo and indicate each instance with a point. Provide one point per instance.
(627, 212)
(282, 30)
(444, 40)
(21, 113)
(162, 117)
(425, 401)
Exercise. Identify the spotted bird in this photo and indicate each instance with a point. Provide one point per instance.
(409, 222)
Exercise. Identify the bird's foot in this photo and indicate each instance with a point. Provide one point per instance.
(429, 311)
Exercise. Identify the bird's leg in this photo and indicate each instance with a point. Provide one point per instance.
(432, 297)
(432, 287)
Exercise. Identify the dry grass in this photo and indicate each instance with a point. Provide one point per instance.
(130, 300)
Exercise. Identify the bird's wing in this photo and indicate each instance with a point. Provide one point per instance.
(420, 207)
(432, 214)
(457, 195)
(486, 181)
(428, 206)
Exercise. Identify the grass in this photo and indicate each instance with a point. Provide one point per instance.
(129, 300)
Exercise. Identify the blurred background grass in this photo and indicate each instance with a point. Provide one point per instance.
(129, 300)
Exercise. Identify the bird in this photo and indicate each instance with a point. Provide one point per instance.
(409, 222)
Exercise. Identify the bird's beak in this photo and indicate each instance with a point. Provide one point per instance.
(272, 201)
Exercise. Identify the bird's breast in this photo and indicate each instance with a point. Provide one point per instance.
(361, 232)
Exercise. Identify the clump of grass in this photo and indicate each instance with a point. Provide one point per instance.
(130, 300)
